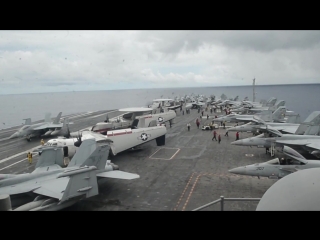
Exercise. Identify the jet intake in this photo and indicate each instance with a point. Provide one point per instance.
(48, 133)
(55, 132)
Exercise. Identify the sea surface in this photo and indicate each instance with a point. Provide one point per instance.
(301, 98)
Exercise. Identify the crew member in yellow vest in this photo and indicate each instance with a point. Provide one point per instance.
(42, 142)
(29, 155)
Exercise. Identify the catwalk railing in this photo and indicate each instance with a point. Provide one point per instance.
(222, 200)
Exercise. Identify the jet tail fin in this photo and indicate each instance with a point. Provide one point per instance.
(271, 102)
(57, 119)
(27, 121)
(91, 154)
(312, 120)
(49, 156)
(265, 115)
(294, 118)
(312, 130)
(277, 105)
(279, 114)
(47, 117)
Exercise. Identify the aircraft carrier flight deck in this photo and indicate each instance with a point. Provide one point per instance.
(189, 171)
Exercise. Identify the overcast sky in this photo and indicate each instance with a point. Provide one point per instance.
(55, 61)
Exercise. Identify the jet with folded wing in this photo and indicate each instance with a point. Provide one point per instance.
(47, 128)
(276, 168)
(267, 116)
(309, 142)
(249, 104)
(50, 187)
(272, 108)
(258, 125)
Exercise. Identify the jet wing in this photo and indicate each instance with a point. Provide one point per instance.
(21, 188)
(311, 143)
(271, 130)
(301, 142)
(49, 125)
(53, 188)
(285, 129)
(257, 119)
(314, 145)
(118, 174)
(289, 129)
(244, 119)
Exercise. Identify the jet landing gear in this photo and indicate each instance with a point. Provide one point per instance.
(29, 138)
(272, 150)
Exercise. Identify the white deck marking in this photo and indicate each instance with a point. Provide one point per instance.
(17, 162)
(178, 149)
(101, 114)
(18, 154)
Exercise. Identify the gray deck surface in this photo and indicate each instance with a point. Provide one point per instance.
(189, 171)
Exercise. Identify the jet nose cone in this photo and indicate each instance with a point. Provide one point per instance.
(238, 142)
(238, 170)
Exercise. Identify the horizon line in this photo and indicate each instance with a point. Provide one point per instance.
(256, 85)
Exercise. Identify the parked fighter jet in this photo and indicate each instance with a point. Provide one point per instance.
(49, 187)
(297, 192)
(257, 124)
(119, 140)
(197, 104)
(306, 143)
(276, 168)
(267, 116)
(249, 104)
(272, 108)
(53, 128)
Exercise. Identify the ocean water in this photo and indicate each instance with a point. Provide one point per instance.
(301, 98)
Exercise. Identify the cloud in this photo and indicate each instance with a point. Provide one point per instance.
(57, 60)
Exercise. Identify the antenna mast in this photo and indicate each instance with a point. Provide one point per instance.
(254, 92)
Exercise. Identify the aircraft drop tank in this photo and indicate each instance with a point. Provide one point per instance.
(48, 133)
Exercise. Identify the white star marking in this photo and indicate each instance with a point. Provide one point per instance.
(144, 136)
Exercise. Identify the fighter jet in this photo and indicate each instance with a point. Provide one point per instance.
(306, 143)
(272, 108)
(244, 106)
(48, 128)
(276, 168)
(258, 125)
(50, 187)
(267, 116)
(249, 104)
(119, 140)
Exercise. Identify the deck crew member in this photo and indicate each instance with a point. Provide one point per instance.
(29, 155)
